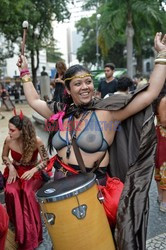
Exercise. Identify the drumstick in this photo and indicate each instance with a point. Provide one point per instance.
(25, 27)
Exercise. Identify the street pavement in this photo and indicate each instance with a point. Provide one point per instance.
(156, 236)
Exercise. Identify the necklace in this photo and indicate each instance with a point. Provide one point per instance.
(73, 131)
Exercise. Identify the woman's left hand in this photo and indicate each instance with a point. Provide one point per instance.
(28, 174)
(160, 42)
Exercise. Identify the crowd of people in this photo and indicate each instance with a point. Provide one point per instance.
(123, 148)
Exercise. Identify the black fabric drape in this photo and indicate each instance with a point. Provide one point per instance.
(132, 160)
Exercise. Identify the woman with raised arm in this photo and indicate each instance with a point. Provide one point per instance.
(114, 126)
(23, 178)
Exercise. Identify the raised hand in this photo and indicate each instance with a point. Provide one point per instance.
(22, 63)
(160, 42)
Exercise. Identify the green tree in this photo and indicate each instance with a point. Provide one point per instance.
(86, 26)
(40, 14)
(53, 54)
(133, 20)
(126, 22)
(87, 52)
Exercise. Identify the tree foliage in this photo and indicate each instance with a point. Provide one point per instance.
(146, 17)
(40, 14)
(87, 52)
(53, 54)
(87, 27)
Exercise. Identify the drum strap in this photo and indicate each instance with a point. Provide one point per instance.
(97, 163)
(79, 156)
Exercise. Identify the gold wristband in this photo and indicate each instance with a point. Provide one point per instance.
(159, 62)
(26, 79)
(161, 54)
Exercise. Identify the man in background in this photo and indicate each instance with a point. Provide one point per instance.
(44, 73)
(109, 83)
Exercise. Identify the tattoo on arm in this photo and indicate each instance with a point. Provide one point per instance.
(44, 153)
(5, 152)
(44, 157)
(6, 162)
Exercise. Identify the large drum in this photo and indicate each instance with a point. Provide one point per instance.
(75, 218)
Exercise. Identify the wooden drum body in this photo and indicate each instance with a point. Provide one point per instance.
(75, 218)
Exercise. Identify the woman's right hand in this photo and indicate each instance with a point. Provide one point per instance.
(12, 175)
(22, 63)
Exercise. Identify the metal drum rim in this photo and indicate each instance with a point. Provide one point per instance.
(69, 193)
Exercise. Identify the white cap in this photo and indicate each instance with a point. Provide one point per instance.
(25, 24)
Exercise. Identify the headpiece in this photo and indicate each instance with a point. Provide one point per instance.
(77, 76)
(21, 115)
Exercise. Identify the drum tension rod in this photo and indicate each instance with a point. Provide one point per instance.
(80, 211)
(49, 217)
(100, 194)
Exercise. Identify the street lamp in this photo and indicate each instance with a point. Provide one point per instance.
(97, 36)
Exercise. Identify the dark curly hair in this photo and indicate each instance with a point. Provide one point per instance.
(29, 136)
(124, 83)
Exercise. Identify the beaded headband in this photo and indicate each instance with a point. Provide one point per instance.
(77, 76)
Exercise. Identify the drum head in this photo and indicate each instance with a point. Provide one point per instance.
(66, 187)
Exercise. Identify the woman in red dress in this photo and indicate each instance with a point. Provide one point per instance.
(23, 179)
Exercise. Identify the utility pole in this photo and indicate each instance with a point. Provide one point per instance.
(97, 38)
(130, 34)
